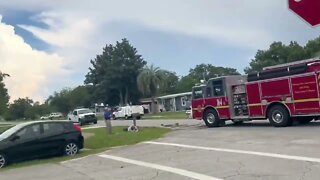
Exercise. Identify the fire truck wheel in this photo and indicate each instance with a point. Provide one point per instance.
(279, 116)
(211, 118)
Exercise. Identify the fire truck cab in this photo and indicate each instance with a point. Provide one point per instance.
(281, 93)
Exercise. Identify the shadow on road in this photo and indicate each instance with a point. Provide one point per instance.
(258, 124)
(267, 124)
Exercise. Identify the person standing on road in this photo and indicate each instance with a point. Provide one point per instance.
(107, 119)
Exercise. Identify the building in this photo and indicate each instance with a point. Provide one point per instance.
(146, 103)
(175, 102)
(99, 108)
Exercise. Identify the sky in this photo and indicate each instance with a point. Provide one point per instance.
(47, 45)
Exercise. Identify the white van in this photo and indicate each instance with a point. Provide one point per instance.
(127, 111)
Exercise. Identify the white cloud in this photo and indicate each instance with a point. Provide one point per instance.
(30, 70)
(78, 31)
(63, 31)
(243, 23)
(225, 22)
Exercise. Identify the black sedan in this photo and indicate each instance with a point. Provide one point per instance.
(38, 139)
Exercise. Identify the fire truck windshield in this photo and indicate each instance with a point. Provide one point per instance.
(197, 93)
(218, 88)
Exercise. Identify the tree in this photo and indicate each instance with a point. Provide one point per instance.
(39, 110)
(203, 72)
(68, 99)
(19, 108)
(207, 71)
(60, 101)
(4, 97)
(279, 53)
(26, 108)
(313, 48)
(170, 84)
(114, 74)
(80, 96)
(186, 83)
(149, 82)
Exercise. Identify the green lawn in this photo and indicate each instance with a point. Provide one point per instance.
(3, 128)
(98, 141)
(120, 137)
(5, 124)
(166, 115)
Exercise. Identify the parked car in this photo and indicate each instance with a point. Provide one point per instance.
(55, 115)
(127, 112)
(189, 113)
(39, 139)
(82, 116)
(45, 117)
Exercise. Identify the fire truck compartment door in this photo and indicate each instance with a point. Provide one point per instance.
(305, 95)
(254, 101)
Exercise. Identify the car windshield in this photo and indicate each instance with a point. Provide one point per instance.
(84, 111)
(10, 131)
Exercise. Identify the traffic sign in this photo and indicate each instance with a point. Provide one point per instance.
(309, 10)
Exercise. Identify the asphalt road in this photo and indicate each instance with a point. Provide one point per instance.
(254, 150)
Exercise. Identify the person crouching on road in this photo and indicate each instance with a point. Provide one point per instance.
(107, 119)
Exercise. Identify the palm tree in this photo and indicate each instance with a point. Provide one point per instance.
(149, 81)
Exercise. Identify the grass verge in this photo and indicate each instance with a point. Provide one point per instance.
(3, 128)
(120, 137)
(98, 140)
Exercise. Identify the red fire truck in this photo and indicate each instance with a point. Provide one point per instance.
(281, 93)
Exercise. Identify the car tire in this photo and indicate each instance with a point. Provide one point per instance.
(211, 118)
(3, 160)
(71, 149)
(126, 117)
(95, 122)
(279, 116)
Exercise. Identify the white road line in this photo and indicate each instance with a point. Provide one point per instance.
(181, 172)
(273, 155)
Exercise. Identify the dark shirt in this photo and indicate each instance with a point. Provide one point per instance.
(107, 115)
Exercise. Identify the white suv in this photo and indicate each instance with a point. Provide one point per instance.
(82, 116)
